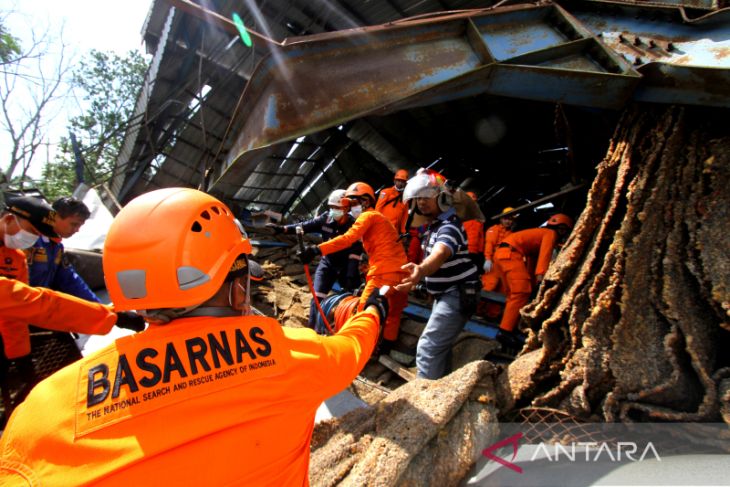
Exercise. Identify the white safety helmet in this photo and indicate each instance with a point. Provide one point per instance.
(337, 198)
(428, 184)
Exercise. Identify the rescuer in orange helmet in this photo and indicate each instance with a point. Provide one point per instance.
(342, 266)
(390, 202)
(386, 255)
(475, 237)
(206, 386)
(534, 244)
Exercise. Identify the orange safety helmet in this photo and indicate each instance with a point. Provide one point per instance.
(507, 210)
(401, 174)
(170, 248)
(560, 219)
(360, 189)
(472, 195)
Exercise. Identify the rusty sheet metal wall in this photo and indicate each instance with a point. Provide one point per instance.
(526, 51)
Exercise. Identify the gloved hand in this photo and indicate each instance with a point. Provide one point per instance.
(276, 228)
(487, 265)
(130, 321)
(308, 254)
(381, 303)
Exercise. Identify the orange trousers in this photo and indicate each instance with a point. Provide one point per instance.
(397, 300)
(517, 282)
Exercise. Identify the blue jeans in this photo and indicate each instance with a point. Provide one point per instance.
(444, 325)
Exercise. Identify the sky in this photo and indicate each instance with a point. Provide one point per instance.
(104, 25)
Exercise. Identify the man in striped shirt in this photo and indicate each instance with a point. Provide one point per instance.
(450, 275)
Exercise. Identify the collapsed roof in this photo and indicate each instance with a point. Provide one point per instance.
(516, 102)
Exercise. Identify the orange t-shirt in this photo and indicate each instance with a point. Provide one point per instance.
(495, 234)
(474, 236)
(390, 204)
(380, 240)
(197, 401)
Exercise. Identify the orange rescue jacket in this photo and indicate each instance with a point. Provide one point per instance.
(379, 238)
(495, 234)
(15, 334)
(474, 236)
(536, 244)
(197, 401)
(390, 204)
(53, 309)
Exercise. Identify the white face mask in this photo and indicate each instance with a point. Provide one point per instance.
(21, 240)
(336, 214)
(356, 211)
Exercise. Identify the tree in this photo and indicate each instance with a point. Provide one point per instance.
(30, 80)
(109, 84)
(9, 46)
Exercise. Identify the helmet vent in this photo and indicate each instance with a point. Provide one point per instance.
(205, 215)
(132, 283)
(216, 210)
(190, 277)
(197, 227)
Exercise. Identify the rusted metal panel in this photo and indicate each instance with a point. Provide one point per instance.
(538, 52)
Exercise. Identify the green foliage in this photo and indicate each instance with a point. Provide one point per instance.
(109, 84)
(9, 45)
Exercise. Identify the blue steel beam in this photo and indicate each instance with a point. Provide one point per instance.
(541, 52)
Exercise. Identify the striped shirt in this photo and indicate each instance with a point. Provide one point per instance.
(447, 229)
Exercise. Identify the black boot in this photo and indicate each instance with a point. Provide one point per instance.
(511, 342)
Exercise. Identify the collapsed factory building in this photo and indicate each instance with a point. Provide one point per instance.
(614, 112)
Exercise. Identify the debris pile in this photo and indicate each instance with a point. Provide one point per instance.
(424, 430)
(633, 317)
(283, 293)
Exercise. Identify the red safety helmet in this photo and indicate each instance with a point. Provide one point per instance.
(360, 189)
(401, 174)
(472, 195)
(170, 248)
(560, 219)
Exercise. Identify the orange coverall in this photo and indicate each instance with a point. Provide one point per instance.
(197, 401)
(386, 256)
(495, 234)
(390, 204)
(474, 236)
(21, 304)
(53, 310)
(509, 259)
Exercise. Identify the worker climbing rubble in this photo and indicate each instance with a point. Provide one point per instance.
(341, 266)
(450, 275)
(385, 255)
(235, 385)
(534, 245)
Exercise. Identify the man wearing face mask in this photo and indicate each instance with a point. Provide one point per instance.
(21, 224)
(209, 394)
(385, 256)
(341, 266)
(390, 202)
